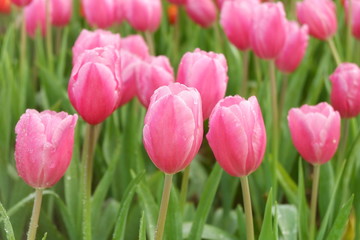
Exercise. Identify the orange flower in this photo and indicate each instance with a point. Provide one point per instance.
(172, 13)
(5, 6)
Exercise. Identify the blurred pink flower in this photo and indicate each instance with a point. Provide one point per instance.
(202, 12)
(144, 15)
(98, 14)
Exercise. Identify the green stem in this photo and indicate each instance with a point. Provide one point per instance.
(283, 92)
(184, 187)
(23, 44)
(343, 142)
(176, 36)
(334, 51)
(248, 209)
(159, 232)
(150, 42)
(275, 124)
(219, 41)
(35, 214)
(349, 42)
(245, 72)
(314, 194)
(87, 168)
(258, 70)
(48, 34)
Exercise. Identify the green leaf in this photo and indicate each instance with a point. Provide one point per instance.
(8, 227)
(267, 231)
(287, 216)
(44, 237)
(341, 220)
(142, 230)
(302, 205)
(174, 218)
(210, 232)
(124, 208)
(205, 203)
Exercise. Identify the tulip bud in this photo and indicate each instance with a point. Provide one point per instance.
(5, 6)
(144, 15)
(173, 127)
(352, 8)
(221, 3)
(315, 131)
(268, 34)
(178, 2)
(207, 72)
(21, 3)
(345, 92)
(35, 17)
(44, 145)
(237, 135)
(319, 15)
(95, 84)
(136, 45)
(89, 40)
(60, 11)
(152, 74)
(202, 12)
(237, 20)
(99, 14)
(294, 49)
(119, 10)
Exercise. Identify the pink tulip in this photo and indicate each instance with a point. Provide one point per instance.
(207, 72)
(152, 74)
(35, 17)
(99, 14)
(89, 40)
(60, 11)
(178, 2)
(95, 84)
(319, 15)
(44, 145)
(294, 49)
(345, 93)
(144, 15)
(237, 135)
(268, 34)
(221, 3)
(355, 16)
(237, 20)
(136, 45)
(21, 3)
(173, 129)
(315, 131)
(202, 12)
(119, 10)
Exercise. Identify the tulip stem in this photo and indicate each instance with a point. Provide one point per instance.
(48, 34)
(283, 92)
(349, 42)
(334, 51)
(343, 141)
(184, 187)
(150, 42)
(245, 72)
(248, 210)
(23, 44)
(87, 164)
(275, 123)
(159, 232)
(35, 214)
(314, 194)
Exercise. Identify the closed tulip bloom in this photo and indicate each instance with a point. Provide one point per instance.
(237, 19)
(5, 6)
(152, 74)
(315, 131)
(119, 10)
(268, 34)
(354, 5)
(95, 85)
(178, 2)
(98, 14)
(60, 11)
(294, 49)
(44, 145)
(21, 3)
(35, 17)
(202, 12)
(207, 72)
(173, 127)
(136, 45)
(345, 92)
(144, 15)
(89, 40)
(319, 15)
(220, 3)
(237, 135)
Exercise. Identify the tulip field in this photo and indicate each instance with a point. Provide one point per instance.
(179, 119)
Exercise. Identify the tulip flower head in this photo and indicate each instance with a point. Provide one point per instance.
(5, 6)
(60, 12)
(136, 45)
(319, 15)
(35, 17)
(95, 85)
(144, 15)
(352, 8)
(178, 2)
(237, 135)
(89, 40)
(345, 92)
(315, 132)
(152, 74)
(102, 14)
(207, 72)
(44, 145)
(21, 3)
(294, 49)
(268, 34)
(202, 12)
(173, 127)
